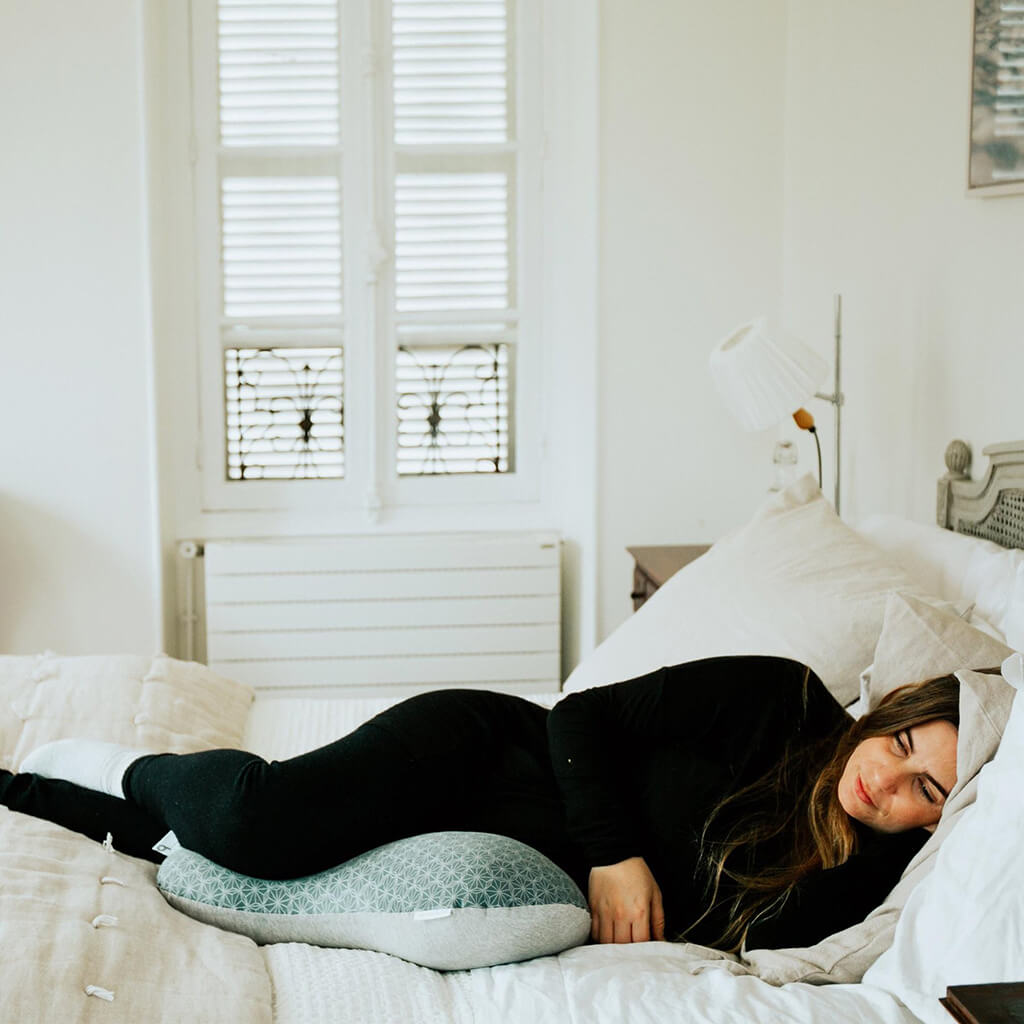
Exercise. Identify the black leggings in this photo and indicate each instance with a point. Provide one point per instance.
(83, 810)
(453, 759)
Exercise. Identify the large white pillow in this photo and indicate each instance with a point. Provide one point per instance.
(794, 581)
(937, 557)
(962, 924)
(956, 566)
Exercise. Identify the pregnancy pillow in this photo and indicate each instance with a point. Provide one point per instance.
(447, 900)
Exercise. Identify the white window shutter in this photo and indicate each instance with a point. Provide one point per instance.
(451, 71)
(281, 247)
(455, 236)
(281, 239)
(278, 72)
(286, 116)
(451, 242)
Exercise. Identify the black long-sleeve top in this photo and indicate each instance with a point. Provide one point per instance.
(641, 764)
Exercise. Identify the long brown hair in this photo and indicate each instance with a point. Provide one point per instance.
(798, 800)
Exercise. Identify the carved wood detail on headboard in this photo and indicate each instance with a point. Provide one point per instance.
(991, 508)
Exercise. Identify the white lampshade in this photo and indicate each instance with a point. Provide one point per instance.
(762, 379)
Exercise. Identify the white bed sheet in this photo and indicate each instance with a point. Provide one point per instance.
(280, 727)
(641, 984)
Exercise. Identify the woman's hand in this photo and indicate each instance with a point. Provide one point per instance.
(625, 903)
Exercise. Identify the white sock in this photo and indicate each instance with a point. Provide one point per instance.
(90, 763)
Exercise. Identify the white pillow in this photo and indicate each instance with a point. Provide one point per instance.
(955, 566)
(937, 557)
(1013, 624)
(962, 924)
(795, 581)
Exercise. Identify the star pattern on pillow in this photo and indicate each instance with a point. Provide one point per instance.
(439, 870)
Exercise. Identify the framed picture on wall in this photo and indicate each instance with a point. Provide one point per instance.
(996, 164)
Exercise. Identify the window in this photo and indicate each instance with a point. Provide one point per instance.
(367, 195)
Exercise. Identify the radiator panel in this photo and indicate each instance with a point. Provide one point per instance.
(362, 677)
(386, 585)
(277, 645)
(381, 614)
(374, 553)
(385, 616)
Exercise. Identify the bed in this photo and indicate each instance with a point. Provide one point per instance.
(88, 936)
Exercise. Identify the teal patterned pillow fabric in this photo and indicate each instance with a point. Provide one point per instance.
(448, 900)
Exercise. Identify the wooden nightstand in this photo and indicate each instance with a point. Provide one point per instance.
(654, 565)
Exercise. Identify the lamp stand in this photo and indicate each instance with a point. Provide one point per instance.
(837, 397)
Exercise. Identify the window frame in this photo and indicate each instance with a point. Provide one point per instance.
(367, 327)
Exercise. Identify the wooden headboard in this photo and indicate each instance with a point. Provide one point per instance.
(991, 508)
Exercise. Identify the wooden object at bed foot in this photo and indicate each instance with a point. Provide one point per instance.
(986, 1004)
(654, 565)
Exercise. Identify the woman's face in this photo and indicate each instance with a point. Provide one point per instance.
(892, 783)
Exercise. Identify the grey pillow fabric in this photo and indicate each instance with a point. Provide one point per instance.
(447, 900)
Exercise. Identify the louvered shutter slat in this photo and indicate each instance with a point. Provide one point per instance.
(281, 246)
(278, 73)
(450, 68)
(440, 223)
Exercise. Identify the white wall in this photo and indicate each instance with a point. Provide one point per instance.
(933, 281)
(691, 245)
(77, 507)
(756, 156)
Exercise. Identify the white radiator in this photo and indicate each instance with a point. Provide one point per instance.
(385, 615)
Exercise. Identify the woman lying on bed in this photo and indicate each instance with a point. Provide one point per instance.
(720, 801)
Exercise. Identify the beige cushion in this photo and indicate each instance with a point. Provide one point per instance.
(795, 581)
(63, 929)
(920, 641)
(150, 703)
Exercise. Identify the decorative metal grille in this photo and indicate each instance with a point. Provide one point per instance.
(285, 413)
(453, 409)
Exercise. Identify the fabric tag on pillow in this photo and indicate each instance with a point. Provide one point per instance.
(167, 845)
(432, 915)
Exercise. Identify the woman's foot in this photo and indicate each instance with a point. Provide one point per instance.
(90, 763)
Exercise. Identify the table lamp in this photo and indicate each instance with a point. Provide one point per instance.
(764, 378)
